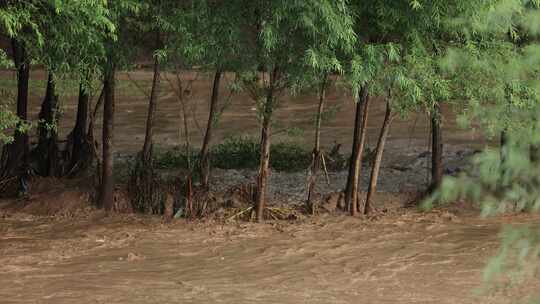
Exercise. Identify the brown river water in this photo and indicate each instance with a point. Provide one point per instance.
(404, 258)
(239, 118)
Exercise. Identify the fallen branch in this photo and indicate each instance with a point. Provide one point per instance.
(325, 169)
(240, 213)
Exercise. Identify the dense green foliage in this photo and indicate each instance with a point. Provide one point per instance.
(65, 36)
(242, 153)
(8, 121)
(496, 65)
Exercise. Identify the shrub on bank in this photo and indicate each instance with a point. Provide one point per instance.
(240, 152)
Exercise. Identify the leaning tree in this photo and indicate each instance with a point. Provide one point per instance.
(143, 186)
(215, 30)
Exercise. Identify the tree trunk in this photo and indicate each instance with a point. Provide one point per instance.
(81, 149)
(378, 158)
(143, 187)
(94, 113)
(264, 162)
(47, 149)
(316, 154)
(436, 148)
(148, 139)
(107, 181)
(534, 153)
(503, 145)
(355, 165)
(15, 155)
(94, 144)
(92, 122)
(205, 155)
(186, 136)
(503, 139)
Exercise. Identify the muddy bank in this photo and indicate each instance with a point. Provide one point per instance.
(404, 170)
(403, 180)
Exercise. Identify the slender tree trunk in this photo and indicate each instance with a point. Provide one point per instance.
(81, 147)
(147, 150)
(186, 134)
(350, 175)
(107, 181)
(47, 149)
(264, 162)
(534, 153)
(15, 155)
(205, 155)
(503, 155)
(143, 188)
(316, 154)
(378, 157)
(504, 133)
(94, 145)
(503, 139)
(355, 166)
(503, 145)
(436, 148)
(93, 115)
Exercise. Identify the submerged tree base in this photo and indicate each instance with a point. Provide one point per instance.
(147, 196)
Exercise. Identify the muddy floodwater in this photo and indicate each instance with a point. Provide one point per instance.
(294, 117)
(401, 257)
(406, 258)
